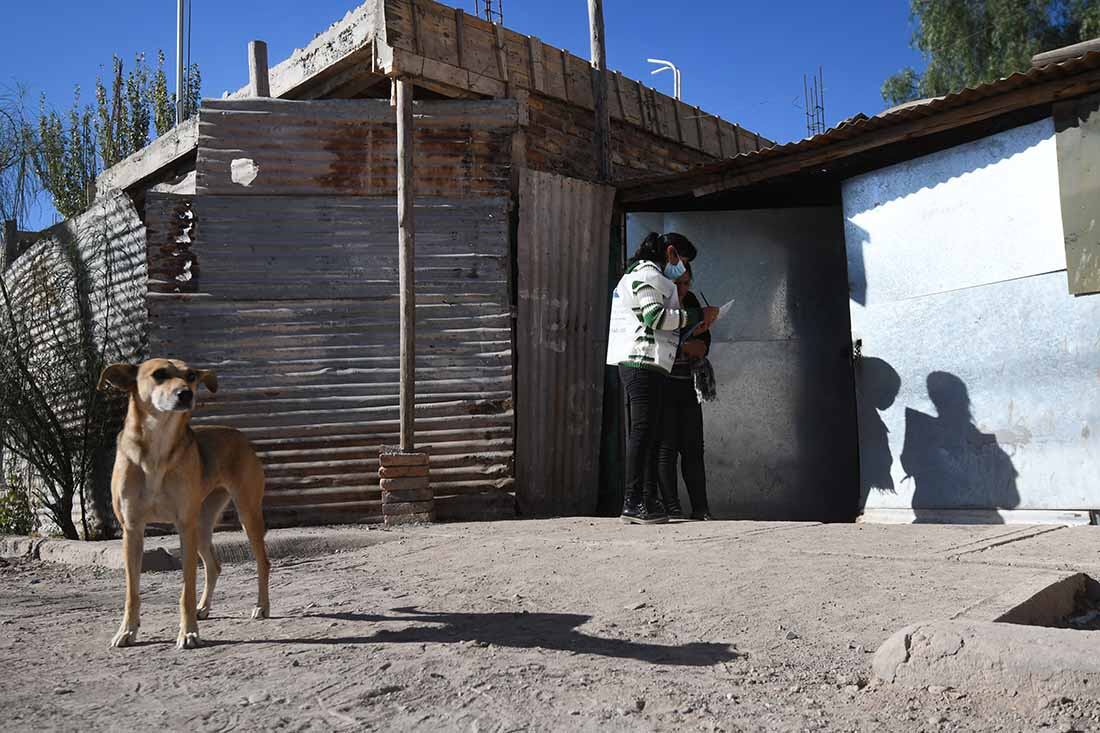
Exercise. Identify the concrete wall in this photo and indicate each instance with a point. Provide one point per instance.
(977, 388)
(780, 441)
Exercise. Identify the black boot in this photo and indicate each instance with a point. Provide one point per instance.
(633, 507)
(648, 510)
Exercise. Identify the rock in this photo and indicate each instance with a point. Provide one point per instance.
(851, 689)
(937, 720)
(795, 689)
(62, 691)
(937, 689)
(637, 606)
(258, 697)
(294, 663)
(639, 704)
(791, 636)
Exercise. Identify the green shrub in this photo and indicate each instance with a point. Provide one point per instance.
(16, 515)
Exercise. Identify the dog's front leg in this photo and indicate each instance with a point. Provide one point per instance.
(133, 545)
(189, 627)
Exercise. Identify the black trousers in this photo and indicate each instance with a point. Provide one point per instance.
(644, 390)
(682, 441)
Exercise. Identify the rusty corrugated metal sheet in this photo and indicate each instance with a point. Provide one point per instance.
(276, 146)
(861, 124)
(561, 339)
(294, 302)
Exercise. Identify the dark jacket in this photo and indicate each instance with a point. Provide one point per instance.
(681, 368)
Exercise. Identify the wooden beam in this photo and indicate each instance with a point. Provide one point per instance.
(599, 91)
(177, 143)
(460, 36)
(414, 18)
(259, 84)
(538, 70)
(406, 241)
(1066, 53)
(502, 56)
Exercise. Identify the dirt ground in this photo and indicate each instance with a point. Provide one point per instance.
(541, 625)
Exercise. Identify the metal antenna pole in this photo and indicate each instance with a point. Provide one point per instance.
(179, 61)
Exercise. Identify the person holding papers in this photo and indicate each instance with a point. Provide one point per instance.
(681, 440)
(646, 320)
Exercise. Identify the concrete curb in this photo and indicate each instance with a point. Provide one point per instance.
(1004, 656)
(162, 553)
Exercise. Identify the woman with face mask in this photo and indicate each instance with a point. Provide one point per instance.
(681, 440)
(646, 319)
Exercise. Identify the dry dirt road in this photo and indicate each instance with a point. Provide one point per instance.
(541, 625)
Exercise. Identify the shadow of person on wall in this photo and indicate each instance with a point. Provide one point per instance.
(877, 386)
(953, 464)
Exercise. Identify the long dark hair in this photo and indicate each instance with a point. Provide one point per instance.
(654, 246)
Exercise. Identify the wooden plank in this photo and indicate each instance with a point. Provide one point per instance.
(406, 238)
(537, 70)
(414, 19)
(502, 58)
(258, 82)
(718, 127)
(564, 59)
(460, 34)
(167, 149)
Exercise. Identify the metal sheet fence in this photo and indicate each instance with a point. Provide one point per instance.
(561, 339)
(294, 302)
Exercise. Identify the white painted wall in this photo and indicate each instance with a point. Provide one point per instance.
(956, 265)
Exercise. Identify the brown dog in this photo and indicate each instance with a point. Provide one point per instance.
(165, 471)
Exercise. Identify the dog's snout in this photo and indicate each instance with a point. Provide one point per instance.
(184, 396)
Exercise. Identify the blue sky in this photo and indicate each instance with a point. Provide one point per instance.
(743, 61)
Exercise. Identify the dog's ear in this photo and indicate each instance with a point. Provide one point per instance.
(119, 376)
(209, 379)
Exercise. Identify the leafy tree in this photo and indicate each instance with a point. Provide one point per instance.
(19, 186)
(164, 104)
(69, 157)
(968, 42)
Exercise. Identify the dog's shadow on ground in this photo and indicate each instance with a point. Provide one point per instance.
(553, 631)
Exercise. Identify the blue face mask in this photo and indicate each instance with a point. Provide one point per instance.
(674, 271)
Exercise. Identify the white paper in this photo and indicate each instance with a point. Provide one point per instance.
(725, 309)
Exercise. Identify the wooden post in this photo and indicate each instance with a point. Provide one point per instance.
(259, 85)
(599, 90)
(11, 243)
(406, 237)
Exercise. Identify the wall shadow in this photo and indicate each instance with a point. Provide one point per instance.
(952, 463)
(877, 386)
(553, 631)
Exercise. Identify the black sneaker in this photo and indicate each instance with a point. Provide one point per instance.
(675, 511)
(701, 516)
(642, 516)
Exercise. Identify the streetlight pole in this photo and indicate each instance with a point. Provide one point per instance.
(668, 66)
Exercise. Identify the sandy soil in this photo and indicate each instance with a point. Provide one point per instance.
(555, 625)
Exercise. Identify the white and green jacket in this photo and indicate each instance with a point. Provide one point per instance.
(645, 319)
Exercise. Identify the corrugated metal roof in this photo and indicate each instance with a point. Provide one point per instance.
(861, 124)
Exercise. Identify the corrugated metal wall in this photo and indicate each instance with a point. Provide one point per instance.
(561, 341)
(979, 397)
(276, 146)
(294, 302)
(781, 437)
(109, 242)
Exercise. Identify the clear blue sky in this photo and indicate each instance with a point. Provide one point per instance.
(743, 61)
